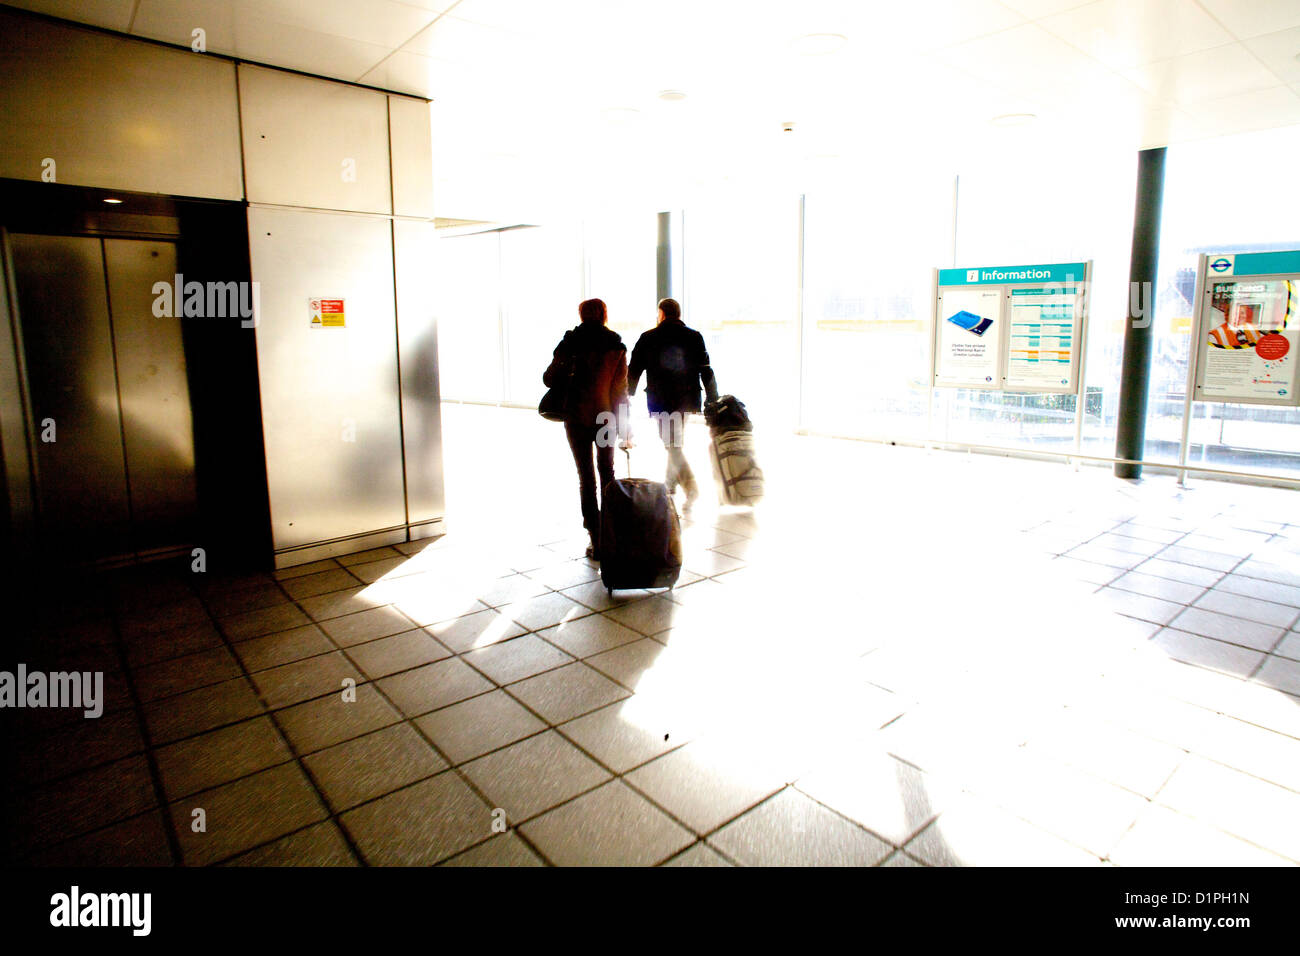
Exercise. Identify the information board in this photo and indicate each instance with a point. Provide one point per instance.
(1248, 328)
(1010, 328)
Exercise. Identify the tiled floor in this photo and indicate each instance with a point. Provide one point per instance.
(902, 658)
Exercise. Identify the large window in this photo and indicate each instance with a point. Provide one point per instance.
(1049, 208)
(469, 317)
(505, 298)
(858, 364)
(741, 265)
(869, 258)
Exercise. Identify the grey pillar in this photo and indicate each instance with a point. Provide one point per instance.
(669, 266)
(1135, 376)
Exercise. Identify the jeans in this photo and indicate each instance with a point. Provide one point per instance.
(672, 429)
(581, 441)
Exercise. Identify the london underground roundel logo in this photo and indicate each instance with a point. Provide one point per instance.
(1221, 264)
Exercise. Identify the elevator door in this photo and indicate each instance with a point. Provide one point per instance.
(108, 394)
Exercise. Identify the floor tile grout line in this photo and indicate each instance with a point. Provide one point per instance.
(602, 652)
(296, 758)
(409, 721)
(151, 760)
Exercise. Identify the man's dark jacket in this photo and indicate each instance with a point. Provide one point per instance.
(675, 361)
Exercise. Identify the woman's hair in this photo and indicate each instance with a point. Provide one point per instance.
(671, 309)
(592, 310)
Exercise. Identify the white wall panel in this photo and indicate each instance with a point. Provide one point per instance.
(114, 113)
(314, 143)
(321, 386)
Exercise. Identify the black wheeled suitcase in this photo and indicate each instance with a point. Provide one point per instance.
(640, 535)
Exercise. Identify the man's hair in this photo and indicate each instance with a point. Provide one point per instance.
(671, 308)
(592, 310)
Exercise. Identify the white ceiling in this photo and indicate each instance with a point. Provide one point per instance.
(548, 101)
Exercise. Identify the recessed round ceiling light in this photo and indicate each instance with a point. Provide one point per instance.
(819, 44)
(1013, 119)
(113, 201)
(672, 96)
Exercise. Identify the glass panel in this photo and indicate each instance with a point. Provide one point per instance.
(1059, 211)
(541, 281)
(741, 271)
(469, 318)
(1211, 205)
(868, 275)
(619, 252)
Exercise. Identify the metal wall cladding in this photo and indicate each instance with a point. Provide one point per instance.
(418, 360)
(314, 143)
(72, 383)
(411, 144)
(115, 114)
(152, 382)
(330, 402)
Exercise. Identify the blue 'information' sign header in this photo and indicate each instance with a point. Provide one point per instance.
(1060, 272)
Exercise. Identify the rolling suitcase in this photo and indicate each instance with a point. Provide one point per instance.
(640, 535)
(731, 451)
(740, 480)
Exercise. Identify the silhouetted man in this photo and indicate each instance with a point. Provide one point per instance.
(676, 362)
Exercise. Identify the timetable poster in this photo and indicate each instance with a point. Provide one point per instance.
(969, 335)
(1251, 341)
(1042, 329)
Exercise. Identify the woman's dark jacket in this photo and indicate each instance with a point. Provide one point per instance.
(598, 358)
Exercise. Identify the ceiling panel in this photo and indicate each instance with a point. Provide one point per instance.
(174, 21)
(405, 73)
(377, 22)
(934, 24)
(1210, 74)
(1034, 9)
(1128, 33)
(461, 41)
(1257, 110)
(114, 14)
(1280, 52)
(522, 87)
(277, 44)
(1030, 59)
(1251, 18)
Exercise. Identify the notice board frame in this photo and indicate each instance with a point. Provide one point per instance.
(1253, 266)
(1006, 278)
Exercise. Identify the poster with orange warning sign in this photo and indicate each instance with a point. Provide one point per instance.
(326, 313)
(1251, 340)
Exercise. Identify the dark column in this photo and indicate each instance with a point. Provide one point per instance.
(1135, 376)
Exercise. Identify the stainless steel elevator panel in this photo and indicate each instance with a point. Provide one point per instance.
(417, 328)
(410, 141)
(314, 143)
(116, 113)
(330, 405)
(157, 426)
(67, 336)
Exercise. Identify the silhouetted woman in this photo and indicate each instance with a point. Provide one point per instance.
(596, 359)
